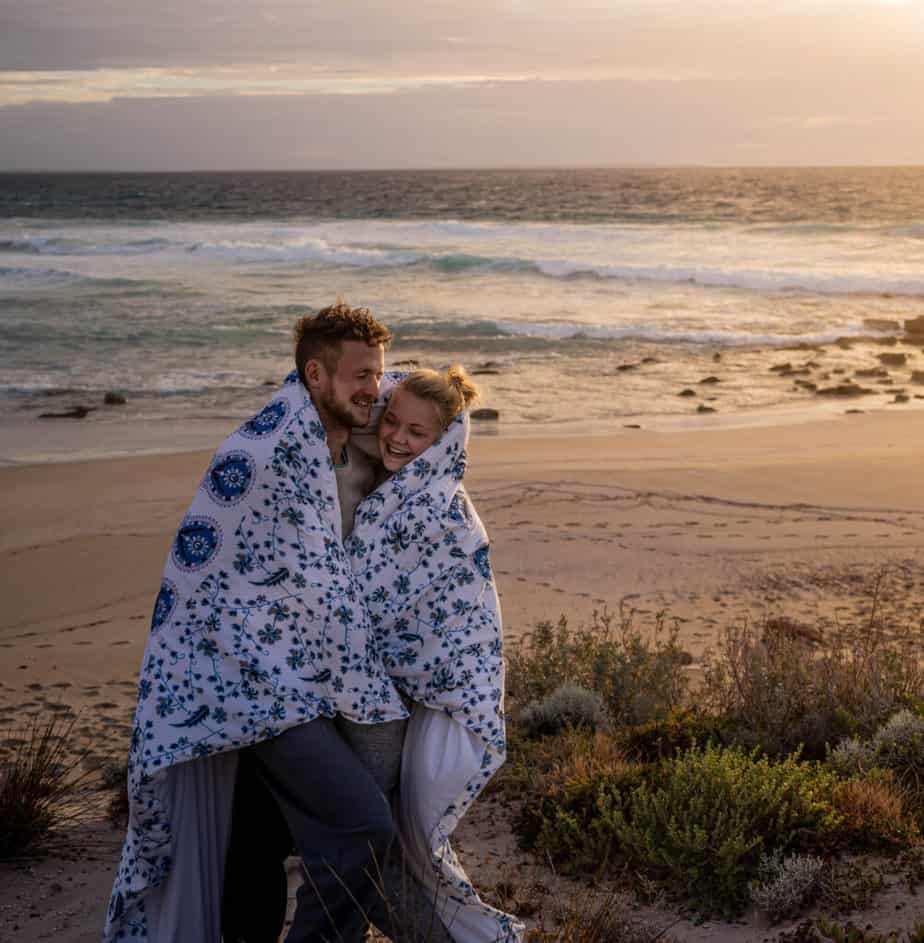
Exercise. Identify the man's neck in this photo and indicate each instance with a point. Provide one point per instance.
(336, 441)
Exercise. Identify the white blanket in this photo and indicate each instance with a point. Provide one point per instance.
(258, 626)
(420, 556)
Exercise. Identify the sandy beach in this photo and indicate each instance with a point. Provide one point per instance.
(704, 528)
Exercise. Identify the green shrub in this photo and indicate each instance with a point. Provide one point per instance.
(848, 886)
(572, 823)
(825, 931)
(899, 746)
(784, 886)
(639, 679)
(704, 820)
(679, 730)
(780, 689)
(569, 705)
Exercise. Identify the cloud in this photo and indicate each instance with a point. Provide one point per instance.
(526, 123)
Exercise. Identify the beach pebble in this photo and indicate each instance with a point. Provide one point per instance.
(704, 409)
(892, 360)
(114, 399)
(781, 367)
(871, 372)
(627, 366)
(914, 328)
(881, 324)
(844, 389)
(687, 392)
(901, 398)
(710, 380)
(485, 413)
(75, 412)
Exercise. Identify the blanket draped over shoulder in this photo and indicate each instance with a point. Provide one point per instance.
(420, 556)
(258, 626)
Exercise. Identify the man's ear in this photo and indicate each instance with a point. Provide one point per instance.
(314, 374)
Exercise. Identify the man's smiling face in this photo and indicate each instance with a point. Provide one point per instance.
(345, 395)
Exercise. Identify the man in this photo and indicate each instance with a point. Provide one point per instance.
(342, 373)
(257, 643)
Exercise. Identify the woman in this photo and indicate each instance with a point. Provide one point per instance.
(420, 556)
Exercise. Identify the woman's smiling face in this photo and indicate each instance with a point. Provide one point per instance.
(409, 427)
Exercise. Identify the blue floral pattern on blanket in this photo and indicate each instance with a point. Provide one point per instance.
(420, 555)
(258, 626)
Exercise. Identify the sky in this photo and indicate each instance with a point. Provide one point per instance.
(354, 84)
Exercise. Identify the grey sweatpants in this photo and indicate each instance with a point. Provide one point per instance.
(405, 912)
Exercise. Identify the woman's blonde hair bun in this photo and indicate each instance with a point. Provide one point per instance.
(450, 391)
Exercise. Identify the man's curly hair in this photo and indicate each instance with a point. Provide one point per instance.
(320, 336)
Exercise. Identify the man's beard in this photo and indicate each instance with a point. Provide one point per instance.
(342, 412)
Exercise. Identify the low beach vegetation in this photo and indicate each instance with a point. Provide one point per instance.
(757, 787)
(40, 784)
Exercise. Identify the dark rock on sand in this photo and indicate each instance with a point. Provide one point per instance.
(796, 372)
(704, 409)
(781, 367)
(917, 376)
(871, 372)
(807, 385)
(650, 360)
(114, 399)
(687, 392)
(839, 370)
(710, 380)
(75, 412)
(485, 413)
(854, 412)
(901, 398)
(845, 343)
(915, 326)
(485, 372)
(892, 360)
(716, 358)
(844, 389)
(633, 425)
(886, 382)
(881, 324)
(628, 366)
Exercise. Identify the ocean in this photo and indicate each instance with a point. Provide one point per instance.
(584, 300)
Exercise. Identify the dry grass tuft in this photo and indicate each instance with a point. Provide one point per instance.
(41, 785)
